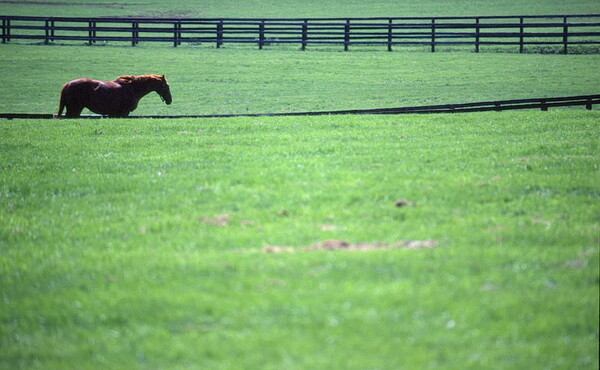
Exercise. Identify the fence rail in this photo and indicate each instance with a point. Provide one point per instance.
(498, 105)
(562, 31)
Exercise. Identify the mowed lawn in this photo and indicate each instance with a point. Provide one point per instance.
(463, 241)
(200, 243)
(215, 81)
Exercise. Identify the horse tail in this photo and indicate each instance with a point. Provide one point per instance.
(62, 103)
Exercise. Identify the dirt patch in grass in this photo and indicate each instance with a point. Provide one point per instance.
(219, 220)
(582, 259)
(343, 245)
(404, 203)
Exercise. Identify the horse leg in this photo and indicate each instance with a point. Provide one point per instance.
(61, 105)
(73, 111)
(121, 114)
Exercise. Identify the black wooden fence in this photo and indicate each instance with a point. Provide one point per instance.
(497, 105)
(559, 31)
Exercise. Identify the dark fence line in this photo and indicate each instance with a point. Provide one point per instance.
(498, 105)
(558, 30)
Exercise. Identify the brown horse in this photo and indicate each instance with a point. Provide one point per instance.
(113, 98)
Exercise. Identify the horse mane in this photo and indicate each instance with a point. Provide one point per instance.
(127, 79)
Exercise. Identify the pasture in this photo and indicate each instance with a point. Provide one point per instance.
(141, 244)
(294, 8)
(213, 81)
(416, 241)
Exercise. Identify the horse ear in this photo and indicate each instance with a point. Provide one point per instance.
(163, 77)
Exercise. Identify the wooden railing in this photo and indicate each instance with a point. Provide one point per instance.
(497, 105)
(558, 31)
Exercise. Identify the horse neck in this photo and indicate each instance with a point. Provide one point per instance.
(141, 88)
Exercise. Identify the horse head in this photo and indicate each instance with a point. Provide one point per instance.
(163, 90)
(142, 85)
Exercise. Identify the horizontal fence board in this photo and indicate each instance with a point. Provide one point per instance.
(500, 105)
(562, 30)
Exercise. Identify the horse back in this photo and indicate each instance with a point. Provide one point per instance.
(88, 83)
(103, 97)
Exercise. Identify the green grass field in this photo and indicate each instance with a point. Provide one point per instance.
(209, 81)
(231, 243)
(139, 243)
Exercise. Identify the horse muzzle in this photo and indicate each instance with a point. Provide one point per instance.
(165, 95)
(168, 99)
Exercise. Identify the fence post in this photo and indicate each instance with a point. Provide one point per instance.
(8, 30)
(261, 34)
(588, 104)
(521, 36)
(304, 34)
(95, 36)
(176, 33)
(433, 35)
(543, 106)
(134, 33)
(219, 34)
(4, 31)
(565, 36)
(91, 32)
(346, 34)
(390, 35)
(46, 32)
(179, 31)
(477, 31)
